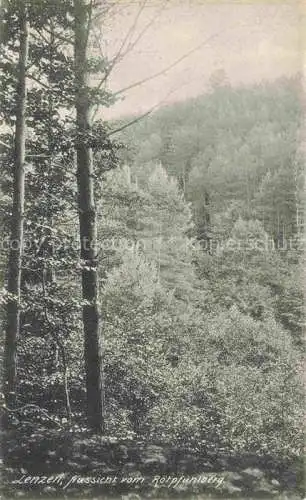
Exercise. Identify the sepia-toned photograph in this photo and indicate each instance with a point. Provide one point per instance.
(152, 258)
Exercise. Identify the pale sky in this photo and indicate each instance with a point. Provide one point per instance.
(251, 41)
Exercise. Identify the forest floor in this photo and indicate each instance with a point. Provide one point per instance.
(58, 464)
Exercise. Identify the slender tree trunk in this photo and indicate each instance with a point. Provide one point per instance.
(60, 347)
(16, 237)
(88, 227)
(208, 222)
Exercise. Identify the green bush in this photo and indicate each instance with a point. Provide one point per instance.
(246, 397)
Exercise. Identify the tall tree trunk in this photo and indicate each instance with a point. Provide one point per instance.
(88, 228)
(16, 237)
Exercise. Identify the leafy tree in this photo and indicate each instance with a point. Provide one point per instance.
(165, 223)
(135, 360)
(279, 201)
(49, 191)
(227, 142)
(231, 396)
(17, 217)
(50, 249)
(87, 218)
(155, 219)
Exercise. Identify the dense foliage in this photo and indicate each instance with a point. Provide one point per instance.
(199, 267)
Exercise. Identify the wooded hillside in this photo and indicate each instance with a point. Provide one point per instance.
(152, 297)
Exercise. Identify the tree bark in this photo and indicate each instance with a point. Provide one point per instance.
(88, 227)
(17, 220)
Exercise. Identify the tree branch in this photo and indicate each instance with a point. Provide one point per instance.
(60, 37)
(121, 52)
(147, 113)
(5, 145)
(42, 410)
(32, 77)
(145, 29)
(172, 65)
(61, 347)
(118, 56)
